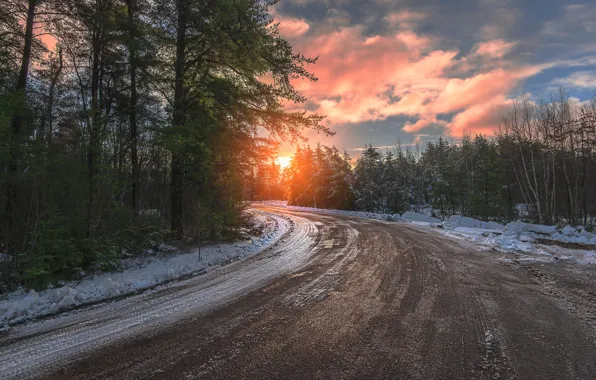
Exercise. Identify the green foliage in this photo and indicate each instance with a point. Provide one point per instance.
(144, 119)
(53, 256)
(467, 179)
(322, 178)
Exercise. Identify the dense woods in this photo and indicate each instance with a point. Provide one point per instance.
(123, 121)
(540, 166)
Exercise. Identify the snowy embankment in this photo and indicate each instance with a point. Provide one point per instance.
(139, 274)
(533, 242)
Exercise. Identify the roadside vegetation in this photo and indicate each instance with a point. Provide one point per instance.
(126, 122)
(539, 167)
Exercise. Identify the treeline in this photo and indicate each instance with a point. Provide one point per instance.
(540, 166)
(321, 178)
(142, 119)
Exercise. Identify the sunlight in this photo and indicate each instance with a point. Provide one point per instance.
(283, 161)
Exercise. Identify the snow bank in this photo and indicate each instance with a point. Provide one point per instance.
(140, 274)
(527, 241)
(568, 234)
(520, 227)
(416, 217)
(464, 221)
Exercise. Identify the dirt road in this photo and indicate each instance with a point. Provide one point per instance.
(337, 298)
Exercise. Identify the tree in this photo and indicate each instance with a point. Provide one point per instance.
(145, 117)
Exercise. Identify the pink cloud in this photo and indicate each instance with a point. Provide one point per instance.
(292, 27)
(289, 27)
(367, 78)
(462, 93)
(422, 123)
(495, 48)
(480, 118)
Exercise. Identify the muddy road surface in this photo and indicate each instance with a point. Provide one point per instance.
(336, 298)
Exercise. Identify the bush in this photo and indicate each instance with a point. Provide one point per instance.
(53, 256)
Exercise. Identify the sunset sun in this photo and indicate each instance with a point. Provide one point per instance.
(272, 189)
(283, 161)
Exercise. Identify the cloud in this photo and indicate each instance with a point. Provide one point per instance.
(481, 118)
(365, 78)
(580, 79)
(495, 48)
(576, 20)
(405, 19)
(435, 67)
(49, 41)
(422, 124)
(503, 18)
(463, 93)
(357, 72)
(292, 28)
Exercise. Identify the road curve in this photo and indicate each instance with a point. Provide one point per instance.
(337, 298)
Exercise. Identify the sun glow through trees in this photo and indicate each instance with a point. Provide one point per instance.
(283, 161)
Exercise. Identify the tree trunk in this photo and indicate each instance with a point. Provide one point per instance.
(178, 120)
(25, 63)
(16, 125)
(94, 128)
(131, 4)
(51, 94)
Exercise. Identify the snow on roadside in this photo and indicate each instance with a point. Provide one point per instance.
(464, 221)
(416, 217)
(139, 275)
(533, 242)
(359, 214)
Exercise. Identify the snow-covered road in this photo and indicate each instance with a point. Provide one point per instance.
(37, 347)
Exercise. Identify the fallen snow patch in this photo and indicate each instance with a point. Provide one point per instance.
(464, 221)
(519, 227)
(141, 274)
(416, 217)
(531, 242)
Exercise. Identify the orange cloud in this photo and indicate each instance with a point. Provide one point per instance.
(289, 27)
(367, 78)
(422, 123)
(495, 48)
(480, 118)
(357, 74)
(292, 27)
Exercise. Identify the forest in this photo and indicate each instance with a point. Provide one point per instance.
(540, 166)
(124, 122)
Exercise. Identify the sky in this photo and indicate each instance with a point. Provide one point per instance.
(414, 70)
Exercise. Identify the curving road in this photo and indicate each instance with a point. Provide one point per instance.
(336, 298)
